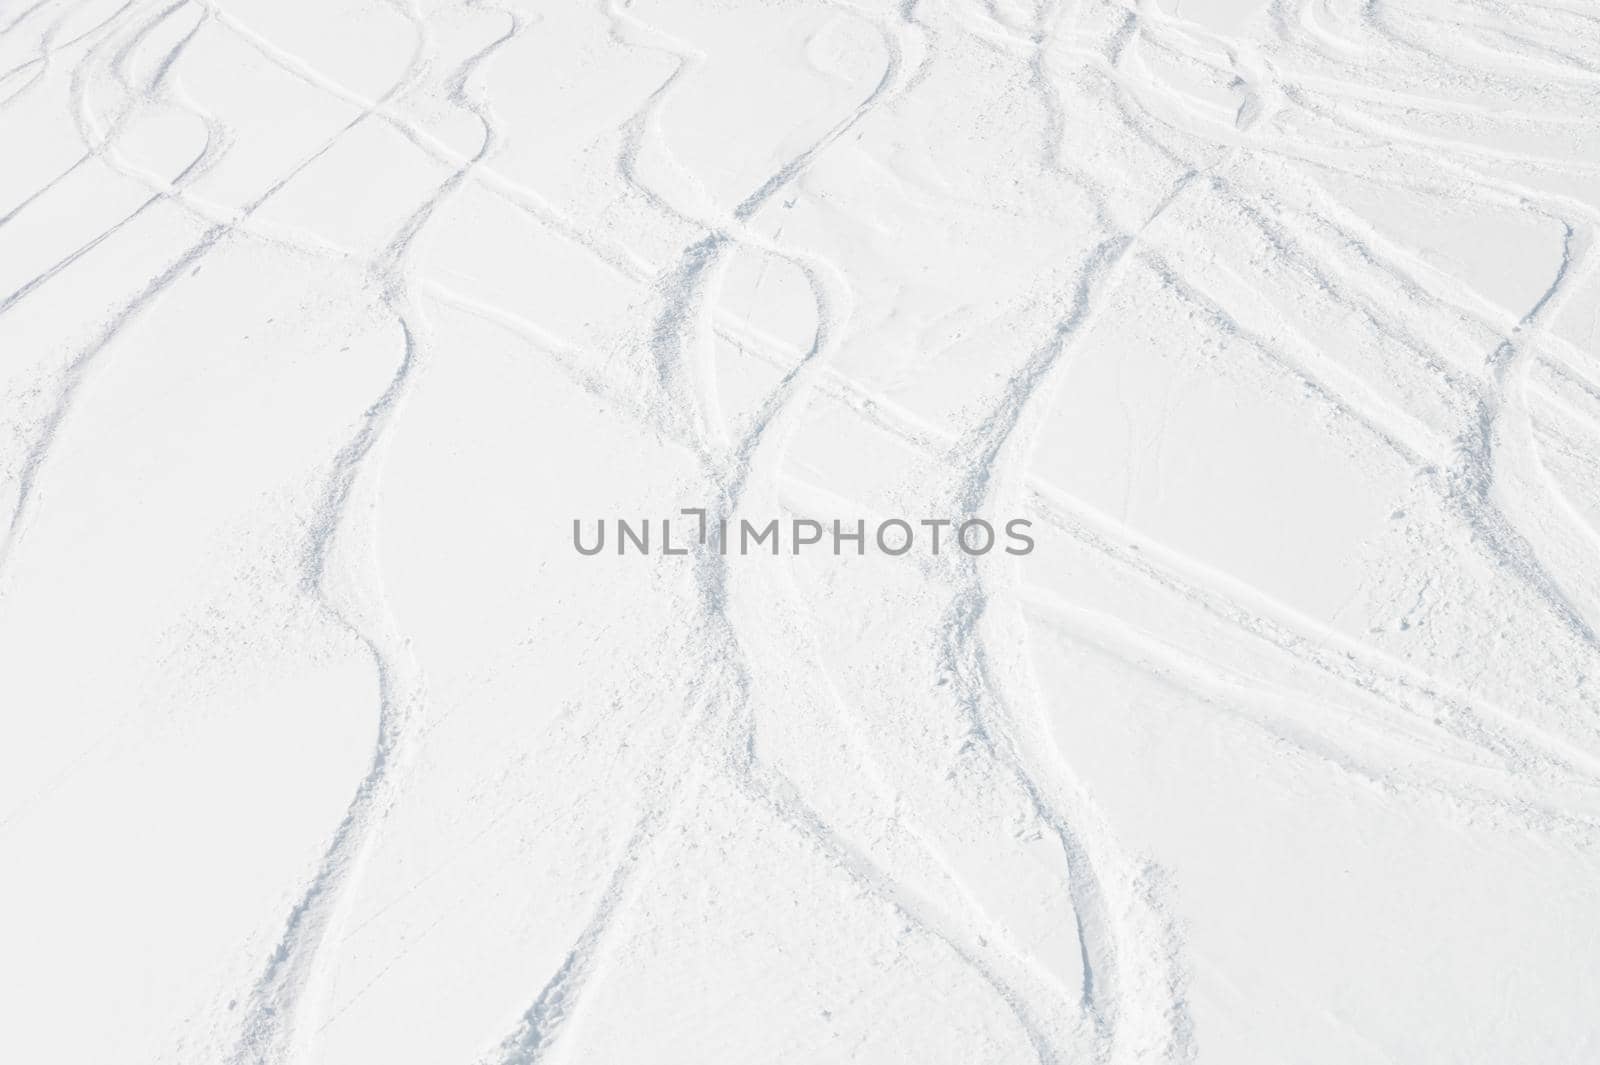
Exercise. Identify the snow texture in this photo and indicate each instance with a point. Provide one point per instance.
(321, 323)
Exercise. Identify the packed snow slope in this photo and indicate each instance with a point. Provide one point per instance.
(322, 320)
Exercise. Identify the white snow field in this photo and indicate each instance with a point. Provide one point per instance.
(1274, 324)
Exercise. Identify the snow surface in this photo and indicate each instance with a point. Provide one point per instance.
(320, 323)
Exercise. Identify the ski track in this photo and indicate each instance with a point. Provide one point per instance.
(1327, 91)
